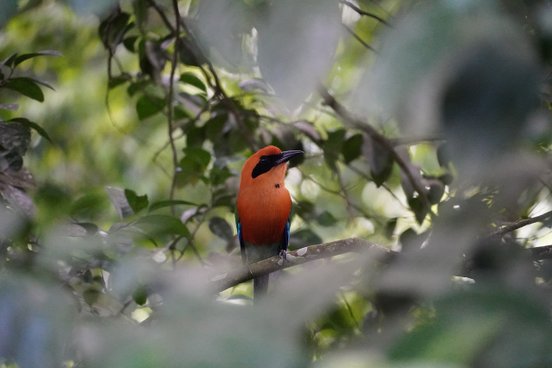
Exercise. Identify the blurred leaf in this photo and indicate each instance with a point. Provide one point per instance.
(140, 295)
(352, 147)
(333, 146)
(168, 203)
(308, 129)
(155, 225)
(471, 326)
(117, 80)
(148, 105)
(26, 86)
(219, 175)
(419, 207)
(297, 42)
(113, 28)
(193, 165)
(191, 79)
(35, 126)
(326, 219)
(88, 206)
(221, 27)
(221, 228)
(136, 202)
(119, 201)
(22, 57)
(380, 160)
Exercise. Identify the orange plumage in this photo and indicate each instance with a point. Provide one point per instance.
(264, 203)
(264, 207)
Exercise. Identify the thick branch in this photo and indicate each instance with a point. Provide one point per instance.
(234, 277)
(294, 258)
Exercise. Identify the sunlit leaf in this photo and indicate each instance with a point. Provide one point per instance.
(191, 79)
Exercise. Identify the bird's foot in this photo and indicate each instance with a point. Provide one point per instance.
(283, 255)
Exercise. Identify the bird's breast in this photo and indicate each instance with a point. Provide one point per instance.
(263, 214)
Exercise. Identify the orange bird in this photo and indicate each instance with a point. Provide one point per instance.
(264, 208)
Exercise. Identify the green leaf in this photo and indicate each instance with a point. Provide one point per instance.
(221, 228)
(148, 105)
(114, 28)
(193, 165)
(168, 203)
(333, 146)
(191, 79)
(26, 122)
(326, 219)
(155, 225)
(140, 295)
(380, 160)
(10, 60)
(117, 80)
(26, 86)
(21, 58)
(352, 147)
(214, 127)
(136, 202)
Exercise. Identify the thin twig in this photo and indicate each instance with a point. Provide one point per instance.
(357, 37)
(170, 102)
(364, 12)
(164, 17)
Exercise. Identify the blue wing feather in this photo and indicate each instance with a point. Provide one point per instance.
(285, 237)
(240, 238)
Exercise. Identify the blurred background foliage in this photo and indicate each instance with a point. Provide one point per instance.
(426, 127)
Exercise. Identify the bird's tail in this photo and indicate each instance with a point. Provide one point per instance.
(260, 286)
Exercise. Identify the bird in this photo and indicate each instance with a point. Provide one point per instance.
(264, 209)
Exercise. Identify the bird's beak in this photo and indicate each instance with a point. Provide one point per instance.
(288, 155)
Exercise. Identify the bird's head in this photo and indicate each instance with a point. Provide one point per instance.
(268, 163)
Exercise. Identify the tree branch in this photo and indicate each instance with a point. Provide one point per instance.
(521, 223)
(310, 253)
(347, 118)
(313, 252)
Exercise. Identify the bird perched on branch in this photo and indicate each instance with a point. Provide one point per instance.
(264, 208)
